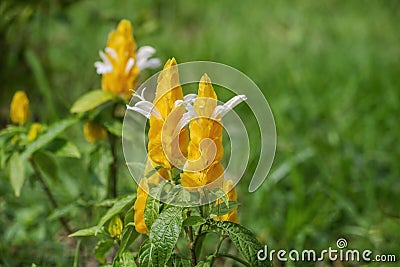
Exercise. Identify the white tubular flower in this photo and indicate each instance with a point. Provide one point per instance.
(221, 110)
(105, 66)
(145, 107)
(143, 60)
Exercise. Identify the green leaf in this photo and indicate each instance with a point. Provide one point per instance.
(91, 231)
(164, 234)
(194, 221)
(63, 148)
(118, 207)
(91, 100)
(244, 240)
(222, 209)
(100, 160)
(102, 248)
(146, 254)
(125, 260)
(46, 163)
(178, 261)
(152, 208)
(205, 263)
(17, 173)
(114, 127)
(129, 235)
(52, 132)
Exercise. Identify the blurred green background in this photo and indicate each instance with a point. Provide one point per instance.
(329, 69)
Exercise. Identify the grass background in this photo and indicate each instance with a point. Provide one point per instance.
(329, 69)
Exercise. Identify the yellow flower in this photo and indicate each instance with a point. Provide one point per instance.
(115, 226)
(94, 131)
(34, 130)
(162, 142)
(232, 196)
(205, 146)
(122, 63)
(19, 109)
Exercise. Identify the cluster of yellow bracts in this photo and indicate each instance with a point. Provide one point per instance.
(199, 144)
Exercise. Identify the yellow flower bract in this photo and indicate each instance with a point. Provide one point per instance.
(121, 80)
(94, 131)
(203, 150)
(19, 109)
(34, 130)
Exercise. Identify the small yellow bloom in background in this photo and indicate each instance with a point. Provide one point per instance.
(19, 109)
(115, 226)
(34, 130)
(122, 63)
(94, 131)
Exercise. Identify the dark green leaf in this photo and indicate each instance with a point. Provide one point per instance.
(222, 209)
(152, 208)
(114, 127)
(118, 207)
(128, 236)
(102, 248)
(204, 264)
(194, 221)
(244, 240)
(164, 234)
(63, 148)
(46, 163)
(146, 254)
(125, 260)
(178, 261)
(52, 132)
(91, 100)
(91, 231)
(17, 173)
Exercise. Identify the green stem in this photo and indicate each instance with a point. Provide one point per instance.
(50, 196)
(192, 245)
(245, 263)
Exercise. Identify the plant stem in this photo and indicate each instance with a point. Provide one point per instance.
(245, 263)
(50, 196)
(192, 245)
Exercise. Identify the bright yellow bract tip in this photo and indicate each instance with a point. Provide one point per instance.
(19, 109)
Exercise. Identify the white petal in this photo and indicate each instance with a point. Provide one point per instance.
(225, 108)
(129, 64)
(103, 68)
(189, 98)
(142, 58)
(145, 52)
(178, 103)
(145, 108)
(111, 52)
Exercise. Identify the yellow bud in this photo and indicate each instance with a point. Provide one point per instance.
(115, 226)
(35, 129)
(94, 131)
(19, 109)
